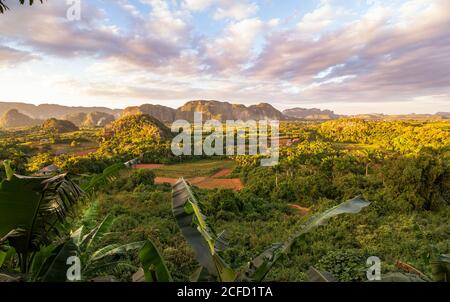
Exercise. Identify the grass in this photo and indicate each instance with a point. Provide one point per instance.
(194, 169)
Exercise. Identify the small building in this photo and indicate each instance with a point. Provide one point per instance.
(49, 170)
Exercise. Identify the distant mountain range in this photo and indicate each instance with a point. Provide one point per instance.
(221, 111)
(311, 114)
(13, 115)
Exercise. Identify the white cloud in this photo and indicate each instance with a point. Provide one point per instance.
(235, 10)
(197, 5)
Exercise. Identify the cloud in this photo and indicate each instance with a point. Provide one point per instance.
(235, 10)
(384, 59)
(390, 53)
(10, 57)
(232, 50)
(197, 5)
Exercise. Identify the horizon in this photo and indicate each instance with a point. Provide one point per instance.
(247, 105)
(365, 57)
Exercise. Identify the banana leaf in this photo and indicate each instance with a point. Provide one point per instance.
(200, 236)
(108, 175)
(259, 267)
(55, 267)
(441, 269)
(32, 209)
(399, 277)
(314, 275)
(154, 268)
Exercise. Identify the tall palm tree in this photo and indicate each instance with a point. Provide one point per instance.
(4, 7)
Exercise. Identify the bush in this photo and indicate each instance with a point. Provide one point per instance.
(345, 265)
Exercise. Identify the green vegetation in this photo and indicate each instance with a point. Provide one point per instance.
(402, 168)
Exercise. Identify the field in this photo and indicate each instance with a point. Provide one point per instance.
(203, 168)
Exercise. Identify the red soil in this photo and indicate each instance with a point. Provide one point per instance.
(206, 182)
(85, 152)
(148, 166)
(222, 173)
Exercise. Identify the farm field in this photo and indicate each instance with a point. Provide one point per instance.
(205, 174)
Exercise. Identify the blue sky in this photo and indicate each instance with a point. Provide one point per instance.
(349, 56)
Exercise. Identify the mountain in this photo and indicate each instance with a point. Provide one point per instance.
(445, 115)
(404, 117)
(60, 126)
(311, 114)
(15, 119)
(46, 111)
(223, 111)
(162, 113)
(97, 119)
(100, 116)
(76, 118)
(92, 119)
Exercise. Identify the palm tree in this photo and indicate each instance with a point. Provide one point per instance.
(4, 7)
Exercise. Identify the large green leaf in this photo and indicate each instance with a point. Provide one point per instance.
(5, 255)
(55, 267)
(108, 175)
(114, 249)
(31, 207)
(399, 277)
(155, 269)
(441, 269)
(261, 265)
(200, 236)
(314, 275)
(96, 234)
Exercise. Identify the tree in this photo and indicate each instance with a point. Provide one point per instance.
(4, 7)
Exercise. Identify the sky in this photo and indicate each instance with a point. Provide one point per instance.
(361, 56)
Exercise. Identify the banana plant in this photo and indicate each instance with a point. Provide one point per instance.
(441, 268)
(202, 238)
(153, 268)
(207, 244)
(93, 260)
(4, 7)
(258, 268)
(108, 175)
(32, 210)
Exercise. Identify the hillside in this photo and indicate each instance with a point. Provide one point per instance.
(100, 116)
(15, 119)
(92, 119)
(61, 126)
(46, 111)
(311, 114)
(162, 113)
(225, 111)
